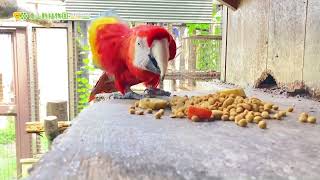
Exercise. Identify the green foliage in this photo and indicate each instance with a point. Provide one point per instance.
(203, 28)
(208, 55)
(8, 135)
(208, 51)
(84, 87)
(8, 168)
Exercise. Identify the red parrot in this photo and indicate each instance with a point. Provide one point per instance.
(129, 56)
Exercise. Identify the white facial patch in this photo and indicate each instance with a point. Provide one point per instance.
(142, 52)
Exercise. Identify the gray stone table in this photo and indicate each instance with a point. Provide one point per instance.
(105, 142)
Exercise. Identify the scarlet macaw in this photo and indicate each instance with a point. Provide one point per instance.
(129, 56)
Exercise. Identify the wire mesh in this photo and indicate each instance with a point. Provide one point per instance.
(8, 159)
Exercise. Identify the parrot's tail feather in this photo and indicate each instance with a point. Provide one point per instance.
(105, 84)
(104, 33)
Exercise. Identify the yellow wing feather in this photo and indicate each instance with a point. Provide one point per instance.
(94, 26)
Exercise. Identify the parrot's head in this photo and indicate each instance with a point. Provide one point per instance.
(153, 48)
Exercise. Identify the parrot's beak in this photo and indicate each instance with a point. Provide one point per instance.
(160, 53)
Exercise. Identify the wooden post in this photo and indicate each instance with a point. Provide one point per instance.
(192, 61)
(232, 4)
(58, 109)
(51, 128)
(172, 66)
(182, 66)
(1, 88)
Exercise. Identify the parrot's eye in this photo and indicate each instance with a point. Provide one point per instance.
(138, 44)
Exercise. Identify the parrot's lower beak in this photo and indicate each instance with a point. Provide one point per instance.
(160, 52)
(153, 65)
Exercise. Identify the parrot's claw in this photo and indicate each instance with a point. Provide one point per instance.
(127, 95)
(156, 92)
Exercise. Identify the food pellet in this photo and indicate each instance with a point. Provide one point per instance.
(257, 119)
(249, 118)
(303, 118)
(267, 106)
(242, 123)
(161, 111)
(290, 109)
(274, 107)
(311, 119)
(157, 115)
(149, 111)
(277, 116)
(224, 118)
(282, 113)
(173, 116)
(265, 115)
(140, 112)
(239, 109)
(238, 118)
(132, 111)
(136, 104)
(262, 124)
(304, 114)
(195, 119)
(180, 114)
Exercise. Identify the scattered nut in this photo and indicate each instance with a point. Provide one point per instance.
(267, 106)
(265, 115)
(157, 115)
(239, 109)
(224, 118)
(262, 124)
(173, 116)
(290, 109)
(161, 111)
(132, 111)
(303, 117)
(274, 107)
(180, 115)
(139, 112)
(283, 113)
(149, 111)
(312, 119)
(136, 104)
(242, 123)
(257, 119)
(277, 116)
(195, 119)
(249, 118)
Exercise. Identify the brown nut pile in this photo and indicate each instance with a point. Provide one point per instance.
(227, 107)
(304, 118)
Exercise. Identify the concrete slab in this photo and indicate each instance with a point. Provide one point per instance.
(105, 142)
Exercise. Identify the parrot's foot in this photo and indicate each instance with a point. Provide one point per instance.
(156, 92)
(127, 95)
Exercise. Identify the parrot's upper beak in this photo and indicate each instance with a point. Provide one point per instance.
(160, 56)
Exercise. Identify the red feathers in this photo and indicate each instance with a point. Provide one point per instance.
(112, 43)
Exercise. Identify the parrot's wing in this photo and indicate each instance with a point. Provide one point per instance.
(172, 48)
(105, 36)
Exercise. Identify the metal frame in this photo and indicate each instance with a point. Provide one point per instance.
(22, 93)
(25, 72)
(71, 63)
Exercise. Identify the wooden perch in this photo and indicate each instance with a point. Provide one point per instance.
(51, 128)
(38, 127)
(58, 109)
(232, 4)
